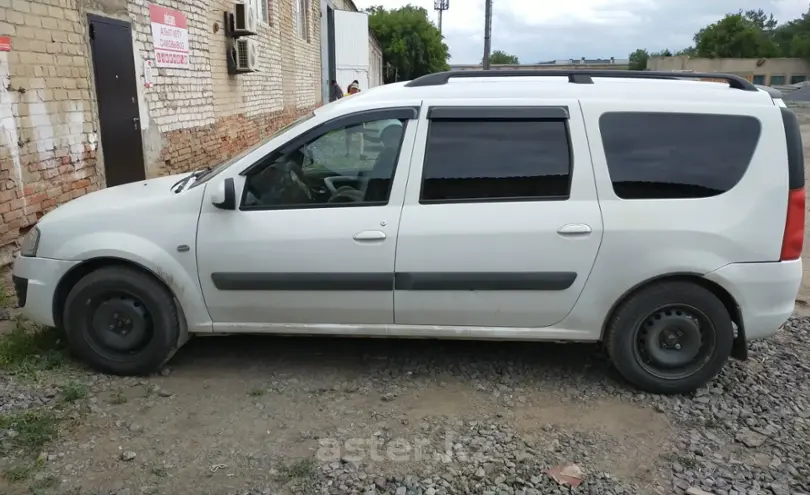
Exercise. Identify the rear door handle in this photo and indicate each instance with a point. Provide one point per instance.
(369, 235)
(573, 229)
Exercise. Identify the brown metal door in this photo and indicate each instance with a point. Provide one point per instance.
(116, 92)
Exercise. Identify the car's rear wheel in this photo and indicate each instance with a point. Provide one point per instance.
(122, 321)
(671, 337)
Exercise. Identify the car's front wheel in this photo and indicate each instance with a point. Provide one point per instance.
(671, 337)
(122, 321)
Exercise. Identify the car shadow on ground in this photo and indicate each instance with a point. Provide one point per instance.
(353, 356)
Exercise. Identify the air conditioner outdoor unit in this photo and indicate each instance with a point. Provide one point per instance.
(245, 21)
(247, 54)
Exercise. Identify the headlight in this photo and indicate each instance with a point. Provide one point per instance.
(30, 243)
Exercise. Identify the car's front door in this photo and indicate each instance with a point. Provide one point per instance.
(314, 237)
(501, 223)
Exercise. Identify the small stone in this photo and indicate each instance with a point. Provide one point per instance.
(696, 491)
(402, 490)
(128, 455)
(164, 393)
(165, 371)
(749, 438)
(388, 397)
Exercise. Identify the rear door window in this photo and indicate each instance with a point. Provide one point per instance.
(475, 160)
(654, 155)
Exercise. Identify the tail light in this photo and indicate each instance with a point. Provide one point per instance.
(793, 238)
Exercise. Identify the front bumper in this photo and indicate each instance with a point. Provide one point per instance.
(35, 281)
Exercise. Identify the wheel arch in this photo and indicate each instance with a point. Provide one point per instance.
(72, 277)
(739, 351)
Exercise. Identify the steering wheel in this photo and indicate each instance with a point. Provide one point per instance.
(346, 194)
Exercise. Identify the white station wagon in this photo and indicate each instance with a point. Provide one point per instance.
(662, 217)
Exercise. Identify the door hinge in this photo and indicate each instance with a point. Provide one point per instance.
(92, 31)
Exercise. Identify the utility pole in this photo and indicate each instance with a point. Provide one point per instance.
(487, 32)
(441, 6)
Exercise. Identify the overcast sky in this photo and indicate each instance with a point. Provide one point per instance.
(539, 30)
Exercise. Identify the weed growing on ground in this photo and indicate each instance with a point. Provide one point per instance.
(302, 470)
(27, 433)
(29, 348)
(256, 392)
(31, 430)
(74, 391)
(118, 398)
(158, 471)
(5, 297)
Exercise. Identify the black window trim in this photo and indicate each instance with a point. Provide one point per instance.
(403, 114)
(496, 114)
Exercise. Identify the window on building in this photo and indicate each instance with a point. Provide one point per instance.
(676, 155)
(777, 80)
(759, 79)
(301, 18)
(797, 78)
(338, 168)
(262, 10)
(480, 160)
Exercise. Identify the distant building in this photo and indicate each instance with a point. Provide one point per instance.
(561, 64)
(587, 61)
(764, 71)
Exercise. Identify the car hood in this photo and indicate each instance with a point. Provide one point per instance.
(125, 196)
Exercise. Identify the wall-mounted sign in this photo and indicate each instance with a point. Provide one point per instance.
(5, 44)
(147, 73)
(170, 37)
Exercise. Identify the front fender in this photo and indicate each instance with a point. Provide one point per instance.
(178, 272)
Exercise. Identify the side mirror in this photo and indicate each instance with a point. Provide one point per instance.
(224, 195)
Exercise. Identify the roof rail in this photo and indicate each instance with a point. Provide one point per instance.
(577, 76)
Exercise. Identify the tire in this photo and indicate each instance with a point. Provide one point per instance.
(138, 306)
(643, 324)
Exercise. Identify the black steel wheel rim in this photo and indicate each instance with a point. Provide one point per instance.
(674, 341)
(119, 324)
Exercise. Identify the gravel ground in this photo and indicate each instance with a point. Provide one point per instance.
(310, 415)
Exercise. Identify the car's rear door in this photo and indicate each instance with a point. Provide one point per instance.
(501, 223)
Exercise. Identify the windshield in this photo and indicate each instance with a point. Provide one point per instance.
(217, 170)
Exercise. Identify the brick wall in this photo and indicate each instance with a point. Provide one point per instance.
(49, 133)
(48, 129)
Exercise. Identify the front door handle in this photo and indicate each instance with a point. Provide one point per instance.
(572, 229)
(369, 235)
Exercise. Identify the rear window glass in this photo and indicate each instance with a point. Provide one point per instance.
(676, 155)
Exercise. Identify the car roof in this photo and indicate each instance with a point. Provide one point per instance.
(471, 88)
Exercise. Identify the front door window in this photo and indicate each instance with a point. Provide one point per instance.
(349, 166)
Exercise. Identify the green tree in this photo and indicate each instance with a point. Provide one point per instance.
(735, 36)
(502, 58)
(792, 37)
(638, 59)
(411, 44)
(764, 22)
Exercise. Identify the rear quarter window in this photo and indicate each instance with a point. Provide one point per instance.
(654, 155)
